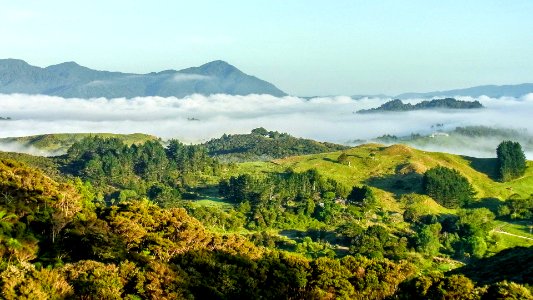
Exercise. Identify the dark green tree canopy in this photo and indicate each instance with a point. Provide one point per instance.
(448, 187)
(362, 196)
(511, 160)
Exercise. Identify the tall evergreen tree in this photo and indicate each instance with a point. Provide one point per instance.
(448, 187)
(511, 160)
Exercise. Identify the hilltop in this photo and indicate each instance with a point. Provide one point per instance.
(58, 143)
(261, 145)
(395, 171)
(447, 103)
(71, 80)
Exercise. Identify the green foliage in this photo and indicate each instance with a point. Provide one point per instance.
(376, 242)
(262, 144)
(362, 197)
(59, 143)
(448, 187)
(427, 239)
(147, 169)
(80, 247)
(34, 210)
(437, 286)
(447, 103)
(313, 249)
(507, 290)
(517, 208)
(511, 160)
(283, 198)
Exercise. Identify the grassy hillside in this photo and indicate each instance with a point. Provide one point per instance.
(58, 143)
(397, 170)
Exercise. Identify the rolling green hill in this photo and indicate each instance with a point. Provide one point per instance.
(262, 145)
(396, 170)
(58, 143)
(146, 210)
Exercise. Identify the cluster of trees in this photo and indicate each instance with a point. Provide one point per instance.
(448, 187)
(511, 160)
(438, 286)
(149, 169)
(517, 208)
(461, 236)
(447, 103)
(376, 241)
(262, 144)
(34, 210)
(278, 200)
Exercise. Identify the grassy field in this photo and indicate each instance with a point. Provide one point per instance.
(524, 237)
(213, 202)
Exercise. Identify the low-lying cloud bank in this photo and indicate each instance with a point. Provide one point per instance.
(198, 118)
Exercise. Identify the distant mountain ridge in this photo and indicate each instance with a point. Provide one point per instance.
(397, 105)
(71, 80)
(493, 91)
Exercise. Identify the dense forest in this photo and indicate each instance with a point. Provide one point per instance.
(110, 220)
(262, 144)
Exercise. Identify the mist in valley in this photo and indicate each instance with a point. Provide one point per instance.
(197, 118)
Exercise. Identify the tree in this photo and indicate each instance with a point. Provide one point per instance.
(427, 239)
(507, 290)
(362, 196)
(448, 187)
(260, 131)
(511, 160)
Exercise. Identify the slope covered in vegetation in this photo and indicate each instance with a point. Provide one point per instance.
(169, 221)
(263, 145)
(58, 143)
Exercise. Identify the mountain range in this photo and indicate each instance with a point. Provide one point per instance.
(493, 91)
(71, 80)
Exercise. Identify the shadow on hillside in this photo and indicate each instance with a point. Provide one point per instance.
(337, 161)
(510, 264)
(526, 227)
(487, 166)
(491, 203)
(398, 184)
(331, 160)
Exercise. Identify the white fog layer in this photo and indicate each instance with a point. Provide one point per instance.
(198, 118)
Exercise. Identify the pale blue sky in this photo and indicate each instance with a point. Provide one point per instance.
(304, 47)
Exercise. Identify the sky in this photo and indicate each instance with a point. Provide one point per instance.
(305, 47)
